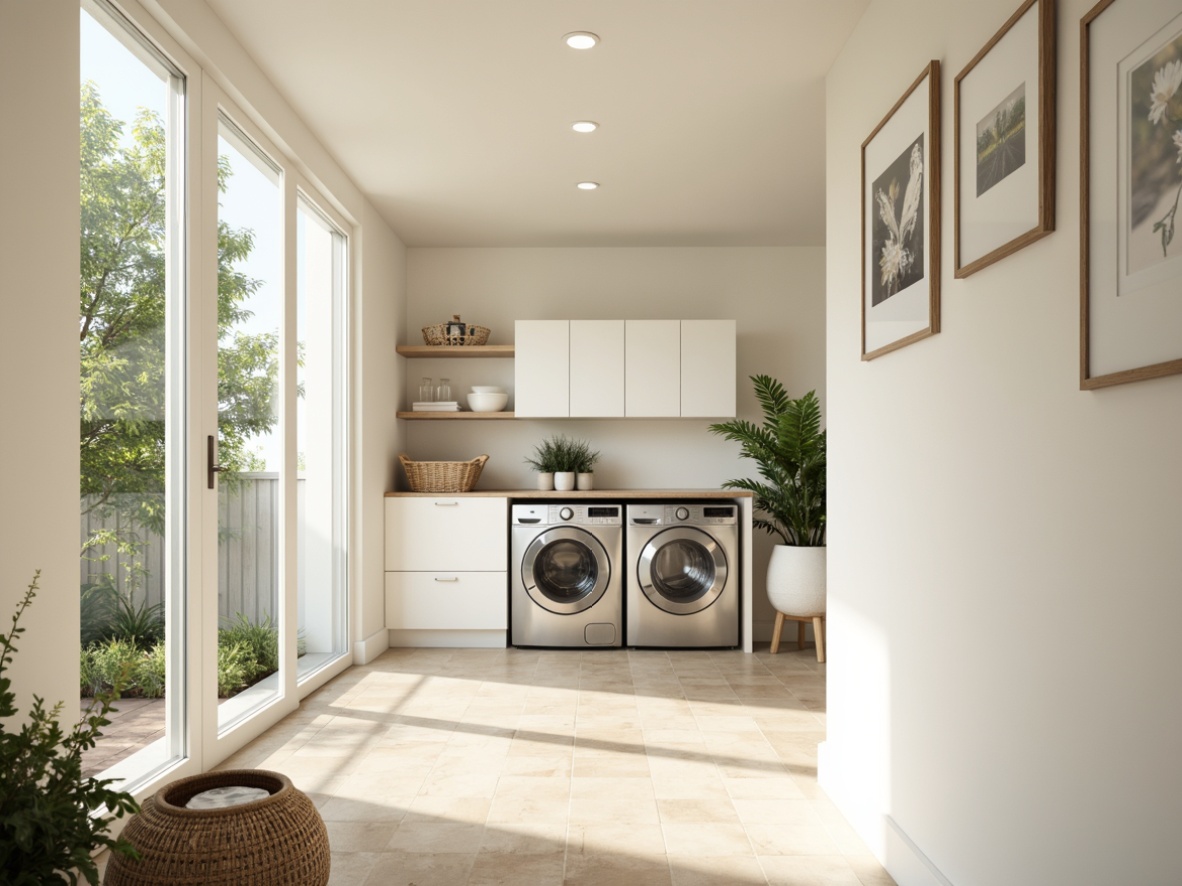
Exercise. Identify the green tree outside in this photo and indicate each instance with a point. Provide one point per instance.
(122, 328)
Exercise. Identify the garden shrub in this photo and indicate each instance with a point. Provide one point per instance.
(246, 654)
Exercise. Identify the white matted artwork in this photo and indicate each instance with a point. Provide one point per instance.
(901, 221)
(1004, 125)
(1131, 184)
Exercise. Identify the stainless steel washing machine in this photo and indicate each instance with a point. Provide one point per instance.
(683, 578)
(567, 578)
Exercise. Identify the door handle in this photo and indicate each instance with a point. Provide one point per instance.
(447, 504)
(211, 457)
(454, 578)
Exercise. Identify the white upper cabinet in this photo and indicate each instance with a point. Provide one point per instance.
(632, 368)
(707, 368)
(652, 357)
(596, 368)
(541, 384)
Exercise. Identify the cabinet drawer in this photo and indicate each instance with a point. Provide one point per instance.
(447, 600)
(451, 533)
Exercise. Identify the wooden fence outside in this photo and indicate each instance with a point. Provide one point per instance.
(248, 565)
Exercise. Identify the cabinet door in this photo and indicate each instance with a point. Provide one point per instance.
(652, 368)
(541, 370)
(596, 368)
(447, 533)
(447, 601)
(708, 368)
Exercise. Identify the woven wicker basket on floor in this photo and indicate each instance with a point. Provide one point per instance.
(279, 840)
(443, 476)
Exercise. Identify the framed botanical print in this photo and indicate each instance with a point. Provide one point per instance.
(1130, 188)
(1004, 135)
(901, 221)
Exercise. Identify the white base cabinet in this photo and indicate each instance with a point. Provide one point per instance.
(446, 571)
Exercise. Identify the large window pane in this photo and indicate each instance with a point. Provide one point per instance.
(320, 286)
(250, 442)
(131, 396)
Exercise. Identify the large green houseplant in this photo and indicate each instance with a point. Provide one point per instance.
(51, 818)
(789, 454)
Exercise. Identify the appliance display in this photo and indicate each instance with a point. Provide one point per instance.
(566, 583)
(683, 575)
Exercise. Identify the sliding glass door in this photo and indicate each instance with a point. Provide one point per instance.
(213, 411)
(248, 449)
(133, 396)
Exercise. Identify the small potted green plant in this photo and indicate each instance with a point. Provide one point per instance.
(48, 829)
(545, 461)
(586, 457)
(558, 459)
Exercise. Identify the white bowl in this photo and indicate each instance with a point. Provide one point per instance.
(487, 389)
(487, 401)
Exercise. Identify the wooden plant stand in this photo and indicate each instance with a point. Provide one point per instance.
(818, 622)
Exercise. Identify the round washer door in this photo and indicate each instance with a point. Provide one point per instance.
(565, 570)
(682, 570)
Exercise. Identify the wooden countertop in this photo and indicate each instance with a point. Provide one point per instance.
(576, 495)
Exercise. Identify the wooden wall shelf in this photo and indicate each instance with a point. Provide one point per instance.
(450, 351)
(456, 416)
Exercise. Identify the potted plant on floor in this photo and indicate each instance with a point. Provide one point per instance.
(789, 453)
(48, 829)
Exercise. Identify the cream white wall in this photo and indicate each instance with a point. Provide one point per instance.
(774, 294)
(378, 379)
(39, 342)
(1004, 558)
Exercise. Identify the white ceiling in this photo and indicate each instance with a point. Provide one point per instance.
(453, 116)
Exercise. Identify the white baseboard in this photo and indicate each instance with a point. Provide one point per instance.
(450, 639)
(883, 836)
(366, 650)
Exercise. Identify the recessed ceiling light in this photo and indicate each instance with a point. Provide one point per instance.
(584, 126)
(580, 39)
(587, 186)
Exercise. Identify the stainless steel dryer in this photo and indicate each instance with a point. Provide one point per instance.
(566, 588)
(683, 579)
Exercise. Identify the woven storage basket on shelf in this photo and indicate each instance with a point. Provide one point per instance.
(442, 476)
(460, 334)
(279, 840)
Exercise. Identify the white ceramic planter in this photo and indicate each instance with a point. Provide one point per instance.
(545, 481)
(585, 481)
(564, 481)
(796, 580)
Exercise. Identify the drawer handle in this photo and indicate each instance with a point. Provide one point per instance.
(453, 578)
(447, 504)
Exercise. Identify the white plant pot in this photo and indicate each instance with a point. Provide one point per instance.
(796, 580)
(545, 481)
(585, 481)
(564, 481)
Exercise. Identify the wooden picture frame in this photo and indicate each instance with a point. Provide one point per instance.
(1004, 197)
(901, 221)
(1130, 186)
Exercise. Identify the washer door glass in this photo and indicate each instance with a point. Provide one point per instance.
(565, 570)
(682, 570)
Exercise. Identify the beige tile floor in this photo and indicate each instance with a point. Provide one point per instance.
(507, 766)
